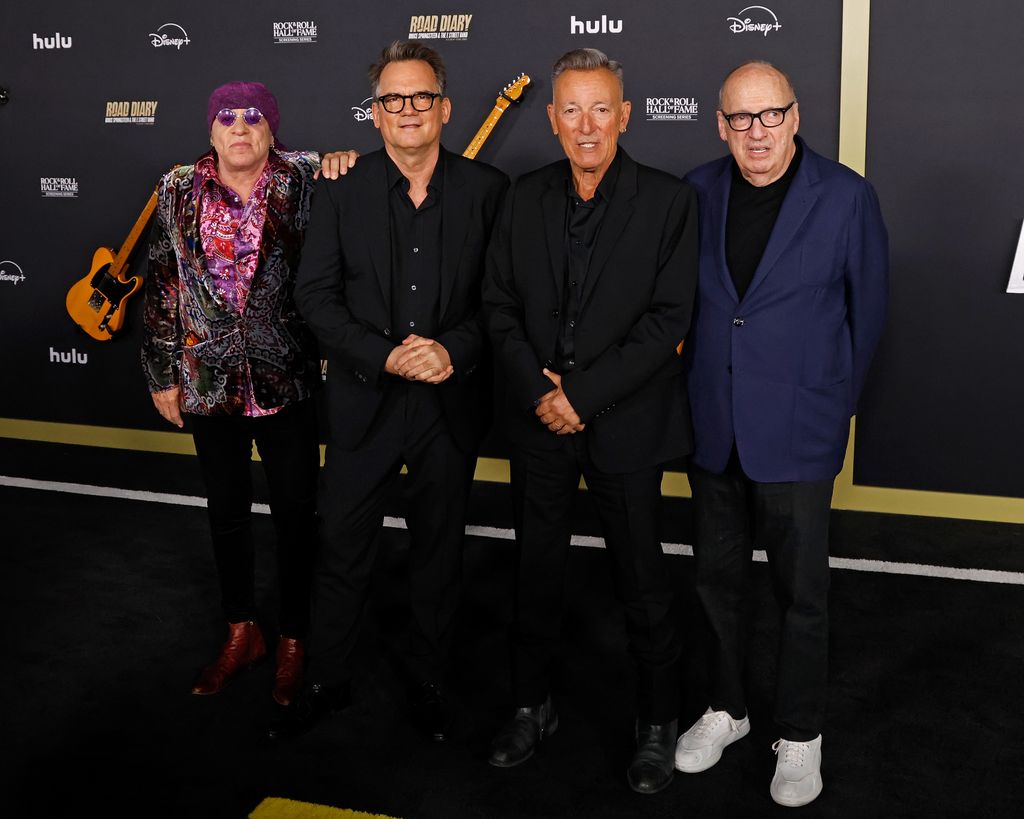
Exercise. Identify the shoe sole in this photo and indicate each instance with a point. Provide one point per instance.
(711, 761)
(799, 803)
(544, 734)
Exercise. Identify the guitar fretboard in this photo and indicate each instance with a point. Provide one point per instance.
(485, 130)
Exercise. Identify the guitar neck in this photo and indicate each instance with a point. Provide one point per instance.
(485, 130)
(121, 259)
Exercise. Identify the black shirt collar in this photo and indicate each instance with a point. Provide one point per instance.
(605, 189)
(396, 177)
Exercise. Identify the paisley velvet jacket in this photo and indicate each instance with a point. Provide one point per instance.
(195, 339)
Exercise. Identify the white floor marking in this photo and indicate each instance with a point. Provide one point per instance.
(848, 563)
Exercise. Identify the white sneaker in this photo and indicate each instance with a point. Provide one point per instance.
(797, 779)
(701, 746)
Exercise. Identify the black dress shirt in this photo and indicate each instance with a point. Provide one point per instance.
(752, 214)
(415, 254)
(582, 224)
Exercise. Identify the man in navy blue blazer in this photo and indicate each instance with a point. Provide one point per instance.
(791, 301)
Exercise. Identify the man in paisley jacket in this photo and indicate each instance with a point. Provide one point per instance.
(225, 348)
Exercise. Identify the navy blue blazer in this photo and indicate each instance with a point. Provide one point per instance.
(780, 372)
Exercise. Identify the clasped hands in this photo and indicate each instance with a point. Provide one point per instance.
(555, 411)
(420, 359)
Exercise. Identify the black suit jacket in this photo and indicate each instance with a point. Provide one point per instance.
(636, 304)
(343, 290)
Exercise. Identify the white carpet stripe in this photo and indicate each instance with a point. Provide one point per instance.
(587, 541)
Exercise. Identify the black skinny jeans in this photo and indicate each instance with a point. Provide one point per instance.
(289, 450)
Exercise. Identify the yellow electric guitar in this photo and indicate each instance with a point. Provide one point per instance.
(96, 302)
(509, 94)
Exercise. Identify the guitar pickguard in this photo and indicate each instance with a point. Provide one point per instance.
(110, 289)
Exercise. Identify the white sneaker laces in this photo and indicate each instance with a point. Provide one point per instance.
(707, 725)
(793, 753)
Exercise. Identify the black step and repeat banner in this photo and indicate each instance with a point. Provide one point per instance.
(103, 98)
(945, 406)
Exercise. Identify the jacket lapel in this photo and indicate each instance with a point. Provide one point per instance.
(620, 210)
(455, 210)
(375, 220)
(717, 216)
(796, 206)
(553, 215)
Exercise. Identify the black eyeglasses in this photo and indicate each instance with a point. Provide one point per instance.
(769, 118)
(251, 117)
(395, 103)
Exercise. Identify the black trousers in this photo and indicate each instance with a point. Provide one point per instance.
(409, 429)
(289, 450)
(733, 516)
(544, 483)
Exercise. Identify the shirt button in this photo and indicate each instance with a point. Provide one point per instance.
(413, 287)
(554, 314)
(387, 331)
(415, 250)
(737, 322)
(572, 323)
(573, 283)
(412, 323)
(572, 363)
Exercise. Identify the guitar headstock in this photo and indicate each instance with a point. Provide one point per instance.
(514, 90)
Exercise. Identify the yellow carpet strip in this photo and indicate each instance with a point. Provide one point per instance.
(274, 807)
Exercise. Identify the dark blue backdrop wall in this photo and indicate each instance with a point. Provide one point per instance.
(104, 98)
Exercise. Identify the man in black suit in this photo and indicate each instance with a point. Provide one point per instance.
(588, 294)
(390, 284)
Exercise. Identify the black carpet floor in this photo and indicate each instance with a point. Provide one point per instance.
(109, 606)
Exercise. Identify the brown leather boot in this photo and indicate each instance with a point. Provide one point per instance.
(244, 647)
(291, 656)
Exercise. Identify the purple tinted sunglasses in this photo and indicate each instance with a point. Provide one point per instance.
(251, 117)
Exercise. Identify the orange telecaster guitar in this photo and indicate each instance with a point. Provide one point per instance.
(509, 94)
(96, 302)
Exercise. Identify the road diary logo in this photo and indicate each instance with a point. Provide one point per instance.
(11, 272)
(677, 109)
(440, 26)
(295, 31)
(58, 186)
(133, 112)
(169, 34)
(754, 20)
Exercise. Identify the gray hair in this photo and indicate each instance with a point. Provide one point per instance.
(400, 51)
(585, 59)
(760, 64)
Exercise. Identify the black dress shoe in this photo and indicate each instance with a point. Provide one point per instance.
(430, 711)
(309, 709)
(654, 760)
(515, 743)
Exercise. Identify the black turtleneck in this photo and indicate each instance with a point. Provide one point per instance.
(752, 215)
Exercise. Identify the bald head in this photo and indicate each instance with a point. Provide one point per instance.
(759, 70)
(762, 142)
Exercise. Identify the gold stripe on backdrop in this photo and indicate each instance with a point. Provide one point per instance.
(853, 130)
